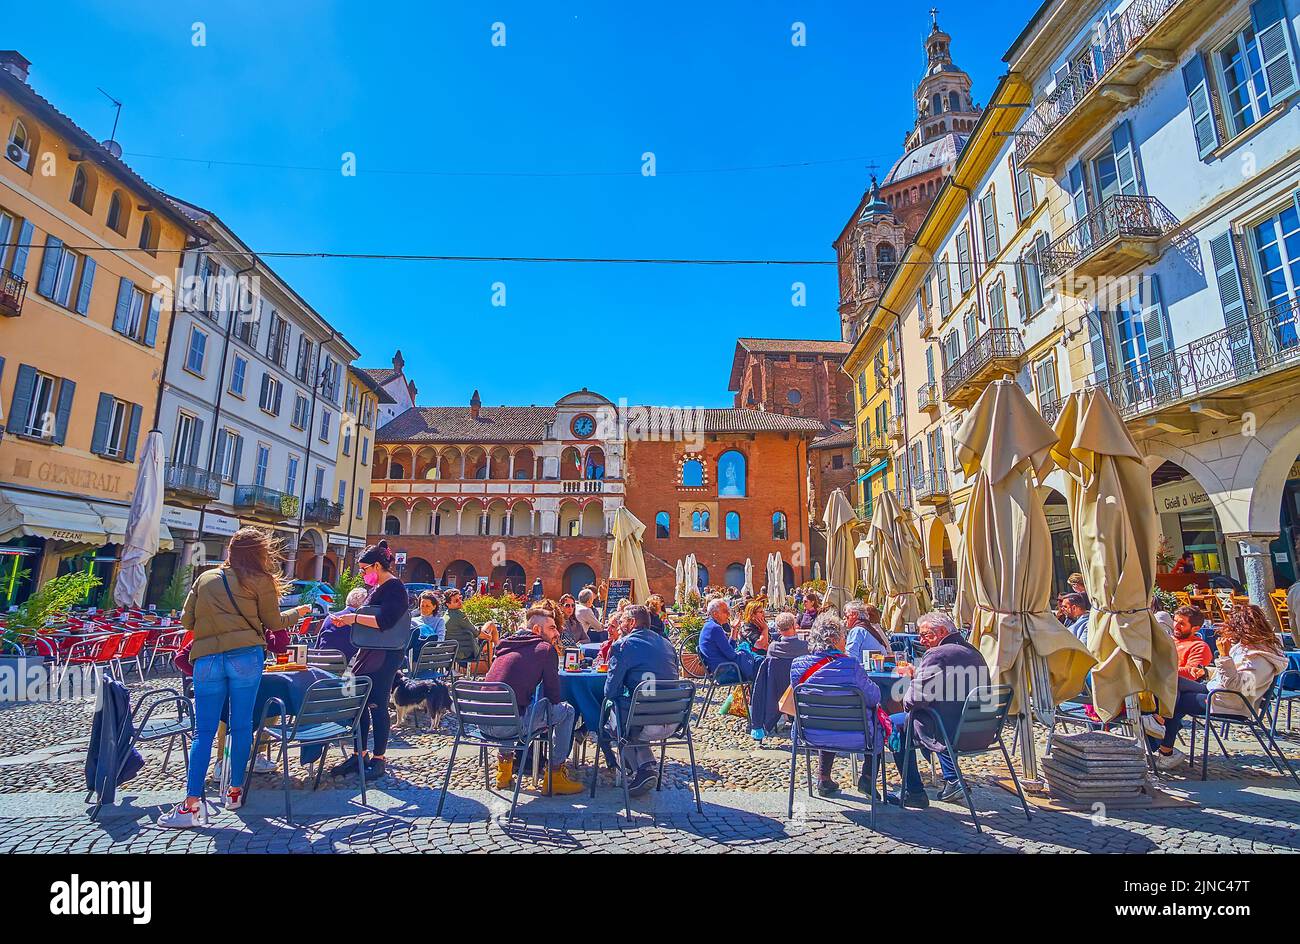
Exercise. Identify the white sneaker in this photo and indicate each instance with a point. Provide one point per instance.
(1153, 727)
(234, 798)
(218, 771)
(264, 765)
(181, 818)
(1170, 762)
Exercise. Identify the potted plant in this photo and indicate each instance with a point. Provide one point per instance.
(1165, 558)
(21, 674)
(347, 581)
(177, 589)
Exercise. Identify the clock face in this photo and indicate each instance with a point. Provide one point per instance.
(583, 426)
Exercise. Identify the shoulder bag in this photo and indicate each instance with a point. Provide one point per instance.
(277, 640)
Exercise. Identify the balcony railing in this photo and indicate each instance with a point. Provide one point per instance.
(191, 480)
(930, 488)
(895, 428)
(865, 509)
(266, 502)
(1114, 237)
(583, 487)
(323, 511)
(1265, 342)
(878, 446)
(860, 457)
(995, 352)
(1111, 49)
(13, 291)
(927, 397)
(1051, 412)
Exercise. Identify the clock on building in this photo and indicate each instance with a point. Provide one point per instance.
(583, 426)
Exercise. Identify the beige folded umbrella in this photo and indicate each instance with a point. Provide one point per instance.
(749, 577)
(1113, 519)
(627, 562)
(895, 564)
(679, 582)
(1005, 568)
(841, 569)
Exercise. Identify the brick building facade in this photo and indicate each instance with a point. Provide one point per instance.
(792, 377)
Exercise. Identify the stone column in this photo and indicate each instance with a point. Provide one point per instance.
(1257, 562)
(318, 566)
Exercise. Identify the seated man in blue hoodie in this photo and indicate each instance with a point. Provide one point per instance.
(715, 646)
(639, 654)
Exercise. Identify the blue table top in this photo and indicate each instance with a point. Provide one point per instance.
(585, 691)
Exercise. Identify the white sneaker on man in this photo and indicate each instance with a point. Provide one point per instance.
(1170, 762)
(181, 817)
(263, 764)
(1152, 727)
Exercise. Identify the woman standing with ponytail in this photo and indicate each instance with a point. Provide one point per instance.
(387, 606)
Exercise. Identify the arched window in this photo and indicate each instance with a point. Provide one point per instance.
(779, 529)
(119, 213)
(700, 521)
(704, 576)
(79, 195)
(732, 531)
(396, 470)
(735, 577)
(21, 145)
(392, 526)
(885, 261)
(692, 473)
(731, 474)
(662, 524)
(954, 101)
(148, 235)
(936, 104)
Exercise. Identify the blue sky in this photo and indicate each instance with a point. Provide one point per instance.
(537, 149)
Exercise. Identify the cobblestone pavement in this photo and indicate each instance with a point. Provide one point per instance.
(1244, 807)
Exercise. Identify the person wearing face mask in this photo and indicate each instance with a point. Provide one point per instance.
(388, 598)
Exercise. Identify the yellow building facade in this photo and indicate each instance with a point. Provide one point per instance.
(88, 255)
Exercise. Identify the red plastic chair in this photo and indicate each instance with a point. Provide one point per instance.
(132, 648)
(168, 644)
(101, 650)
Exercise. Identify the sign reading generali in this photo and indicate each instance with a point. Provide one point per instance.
(1177, 497)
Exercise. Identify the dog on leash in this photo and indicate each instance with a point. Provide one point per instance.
(409, 696)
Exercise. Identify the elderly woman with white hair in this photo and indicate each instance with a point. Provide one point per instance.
(828, 668)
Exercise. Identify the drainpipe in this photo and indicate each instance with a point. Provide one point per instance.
(352, 483)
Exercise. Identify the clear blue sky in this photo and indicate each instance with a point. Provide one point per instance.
(578, 87)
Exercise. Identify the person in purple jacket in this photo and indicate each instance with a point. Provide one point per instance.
(827, 667)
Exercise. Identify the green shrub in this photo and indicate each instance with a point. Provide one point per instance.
(53, 598)
(503, 609)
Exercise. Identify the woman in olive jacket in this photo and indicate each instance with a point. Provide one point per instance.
(228, 610)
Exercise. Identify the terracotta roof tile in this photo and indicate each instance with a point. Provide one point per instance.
(454, 424)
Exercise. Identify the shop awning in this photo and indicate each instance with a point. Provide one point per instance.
(56, 518)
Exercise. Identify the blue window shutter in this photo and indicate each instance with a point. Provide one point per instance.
(196, 441)
(25, 235)
(234, 461)
(1231, 296)
(1078, 192)
(1126, 159)
(151, 326)
(50, 266)
(133, 432)
(1200, 106)
(87, 281)
(1154, 325)
(1273, 34)
(21, 403)
(103, 417)
(279, 390)
(64, 409)
(122, 313)
(1097, 344)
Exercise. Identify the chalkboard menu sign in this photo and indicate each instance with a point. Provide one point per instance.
(618, 590)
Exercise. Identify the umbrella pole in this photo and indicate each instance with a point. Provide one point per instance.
(1028, 749)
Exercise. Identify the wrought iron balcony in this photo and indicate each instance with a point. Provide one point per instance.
(1238, 359)
(995, 353)
(896, 430)
(1121, 234)
(927, 398)
(860, 457)
(13, 292)
(931, 488)
(878, 447)
(266, 502)
(1147, 38)
(926, 322)
(1051, 412)
(191, 481)
(865, 509)
(323, 511)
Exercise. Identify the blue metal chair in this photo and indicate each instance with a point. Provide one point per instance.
(843, 711)
(150, 728)
(435, 661)
(330, 714)
(654, 702)
(1256, 720)
(1285, 690)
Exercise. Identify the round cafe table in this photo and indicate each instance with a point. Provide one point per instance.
(584, 691)
(892, 689)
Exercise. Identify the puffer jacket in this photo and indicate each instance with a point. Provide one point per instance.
(219, 626)
(1249, 671)
(840, 673)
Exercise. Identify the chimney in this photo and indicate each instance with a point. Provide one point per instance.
(15, 63)
(398, 362)
(475, 404)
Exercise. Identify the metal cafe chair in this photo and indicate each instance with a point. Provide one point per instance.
(1256, 720)
(843, 711)
(978, 731)
(167, 645)
(491, 705)
(150, 728)
(131, 650)
(659, 702)
(714, 681)
(328, 660)
(1286, 689)
(436, 661)
(330, 714)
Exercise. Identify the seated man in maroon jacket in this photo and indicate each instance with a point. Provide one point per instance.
(523, 661)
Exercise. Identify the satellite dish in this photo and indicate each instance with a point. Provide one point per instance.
(112, 147)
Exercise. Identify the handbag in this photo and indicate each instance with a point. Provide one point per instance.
(368, 637)
(277, 640)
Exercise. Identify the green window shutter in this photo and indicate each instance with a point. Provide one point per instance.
(87, 282)
(1200, 106)
(21, 403)
(234, 462)
(103, 419)
(1273, 34)
(963, 261)
(64, 409)
(945, 298)
(196, 440)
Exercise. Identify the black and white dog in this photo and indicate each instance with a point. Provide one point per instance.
(411, 695)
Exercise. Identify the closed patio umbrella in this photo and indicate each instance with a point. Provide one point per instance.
(895, 564)
(776, 594)
(1005, 568)
(749, 577)
(692, 574)
(142, 526)
(1116, 531)
(679, 582)
(627, 562)
(841, 565)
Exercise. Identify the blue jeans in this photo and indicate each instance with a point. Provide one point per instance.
(906, 763)
(235, 676)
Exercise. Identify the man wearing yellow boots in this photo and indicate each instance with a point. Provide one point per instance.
(523, 660)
